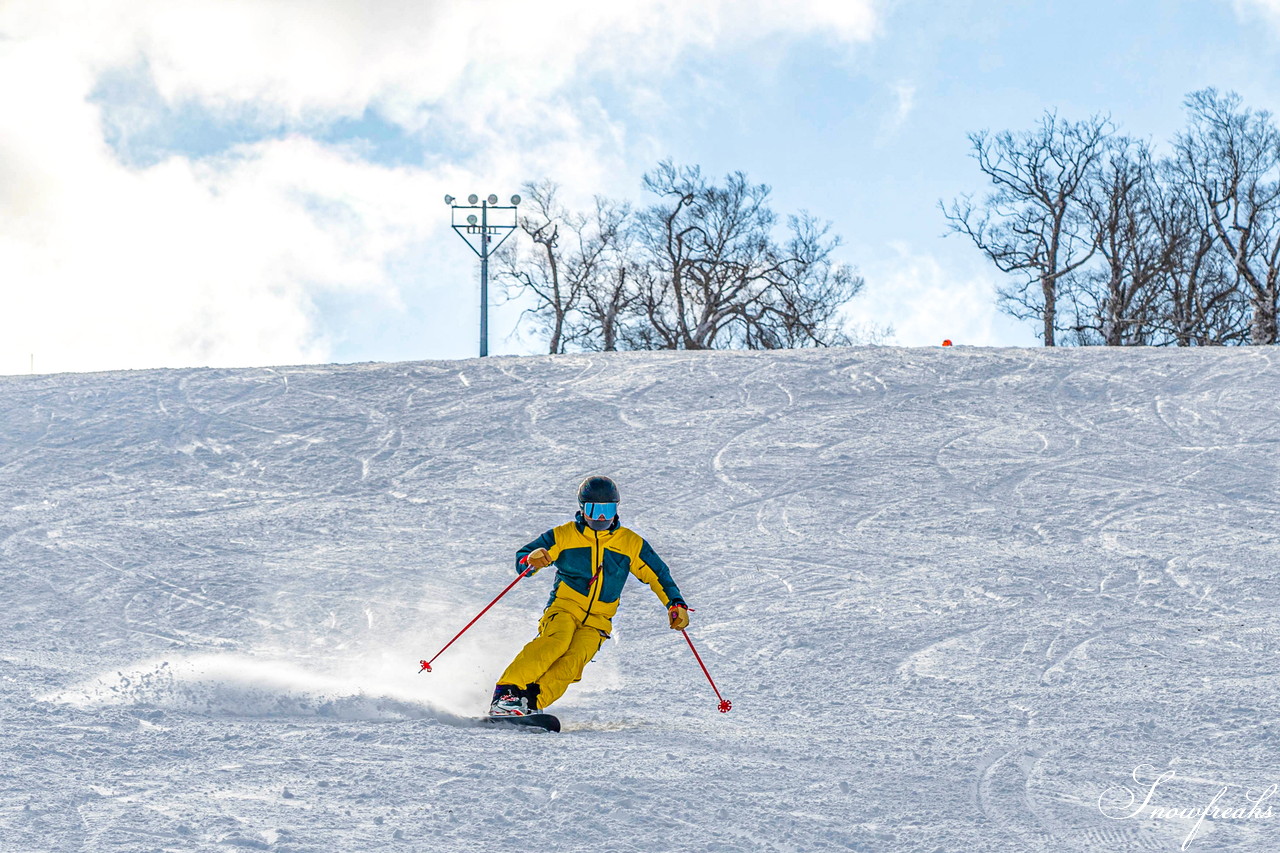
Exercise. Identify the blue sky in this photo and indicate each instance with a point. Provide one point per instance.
(230, 183)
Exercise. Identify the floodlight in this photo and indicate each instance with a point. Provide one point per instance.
(485, 233)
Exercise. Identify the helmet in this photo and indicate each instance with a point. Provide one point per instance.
(597, 490)
(598, 499)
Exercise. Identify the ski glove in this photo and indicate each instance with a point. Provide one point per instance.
(678, 613)
(538, 559)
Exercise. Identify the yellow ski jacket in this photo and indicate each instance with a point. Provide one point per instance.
(592, 567)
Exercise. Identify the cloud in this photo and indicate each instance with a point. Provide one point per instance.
(1268, 9)
(927, 299)
(190, 253)
(904, 102)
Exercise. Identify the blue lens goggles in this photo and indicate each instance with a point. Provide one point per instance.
(594, 510)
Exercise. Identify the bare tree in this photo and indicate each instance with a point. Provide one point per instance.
(716, 276)
(1230, 157)
(808, 313)
(570, 250)
(540, 275)
(1116, 302)
(1033, 225)
(610, 291)
(1200, 303)
(702, 268)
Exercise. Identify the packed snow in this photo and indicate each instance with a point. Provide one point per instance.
(961, 600)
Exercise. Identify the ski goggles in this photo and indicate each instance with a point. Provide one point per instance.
(599, 510)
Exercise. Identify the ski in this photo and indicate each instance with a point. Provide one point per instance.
(546, 722)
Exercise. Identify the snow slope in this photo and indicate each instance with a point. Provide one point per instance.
(956, 596)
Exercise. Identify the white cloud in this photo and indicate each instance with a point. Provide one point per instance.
(928, 300)
(904, 102)
(1269, 9)
(219, 260)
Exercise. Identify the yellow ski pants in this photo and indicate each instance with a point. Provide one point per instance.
(556, 657)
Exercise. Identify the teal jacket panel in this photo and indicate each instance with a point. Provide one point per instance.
(592, 567)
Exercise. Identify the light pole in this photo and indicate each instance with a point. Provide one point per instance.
(479, 234)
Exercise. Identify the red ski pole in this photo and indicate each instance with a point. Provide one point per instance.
(725, 704)
(426, 664)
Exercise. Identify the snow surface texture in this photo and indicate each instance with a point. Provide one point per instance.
(956, 597)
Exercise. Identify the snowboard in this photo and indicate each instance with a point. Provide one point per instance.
(547, 722)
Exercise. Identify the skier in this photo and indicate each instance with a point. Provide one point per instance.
(593, 554)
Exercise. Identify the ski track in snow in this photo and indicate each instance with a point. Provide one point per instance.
(956, 596)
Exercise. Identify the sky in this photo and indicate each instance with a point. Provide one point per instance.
(256, 182)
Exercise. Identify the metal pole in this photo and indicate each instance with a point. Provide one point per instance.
(487, 245)
(426, 664)
(484, 279)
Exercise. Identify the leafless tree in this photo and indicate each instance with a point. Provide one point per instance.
(716, 276)
(1200, 302)
(569, 251)
(1116, 301)
(702, 268)
(540, 275)
(1230, 157)
(1033, 225)
(610, 291)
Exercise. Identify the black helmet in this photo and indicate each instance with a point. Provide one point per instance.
(597, 490)
(598, 500)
